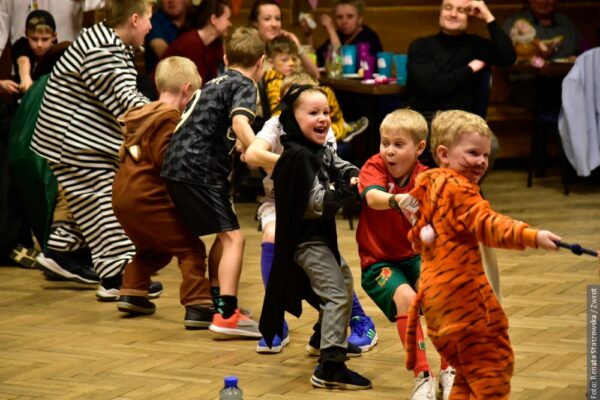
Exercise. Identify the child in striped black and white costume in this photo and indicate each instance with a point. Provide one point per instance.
(92, 84)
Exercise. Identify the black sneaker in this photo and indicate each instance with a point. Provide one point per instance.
(109, 289)
(339, 378)
(51, 276)
(198, 316)
(59, 263)
(356, 128)
(136, 305)
(155, 290)
(314, 344)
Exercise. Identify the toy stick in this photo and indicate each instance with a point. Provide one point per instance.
(576, 248)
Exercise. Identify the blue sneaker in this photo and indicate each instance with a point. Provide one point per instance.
(362, 333)
(278, 343)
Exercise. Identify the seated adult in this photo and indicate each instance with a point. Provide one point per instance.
(350, 29)
(562, 36)
(265, 16)
(443, 68)
(168, 22)
(561, 39)
(204, 45)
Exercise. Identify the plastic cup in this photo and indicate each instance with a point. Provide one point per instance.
(349, 59)
(367, 64)
(400, 61)
(384, 63)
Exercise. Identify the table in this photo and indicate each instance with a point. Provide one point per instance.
(549, 69)
(374, 100)
(356, 86)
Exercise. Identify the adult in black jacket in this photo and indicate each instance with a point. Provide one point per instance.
(444, 70)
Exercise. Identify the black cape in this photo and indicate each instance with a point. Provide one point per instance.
(294, 175)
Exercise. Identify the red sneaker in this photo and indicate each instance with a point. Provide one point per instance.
(236, 325)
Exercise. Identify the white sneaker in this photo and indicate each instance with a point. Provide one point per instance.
(446, 382)
(425, 387)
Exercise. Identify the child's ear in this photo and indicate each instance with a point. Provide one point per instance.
(421, 147)
(442, 154)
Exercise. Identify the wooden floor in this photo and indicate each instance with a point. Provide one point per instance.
(58, 342)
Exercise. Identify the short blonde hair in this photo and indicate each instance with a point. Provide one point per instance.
(448, 126)
(408, 121)
(244, 48)
(296, 78)
(118, 12)
(314, 89)
(174, 72)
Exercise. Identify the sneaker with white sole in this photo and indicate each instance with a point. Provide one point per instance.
(339, 378)
(356, 128)
(446, 382)
(107, 294)
(277, 345)
(425, 387)
(136, 305)
(236, 325)
(55, 262)
(362, 333)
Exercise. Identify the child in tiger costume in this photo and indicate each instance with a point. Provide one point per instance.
(464, 318)
(390, 267)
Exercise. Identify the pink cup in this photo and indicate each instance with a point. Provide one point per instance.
(367, 64)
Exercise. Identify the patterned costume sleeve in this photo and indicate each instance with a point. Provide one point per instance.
(244, 100)
(107, 74)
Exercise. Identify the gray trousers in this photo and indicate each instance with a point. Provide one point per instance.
(334, 286)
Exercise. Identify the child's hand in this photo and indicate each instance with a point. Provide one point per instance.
(354, 180)
(25, 85)
(9, 87)
(409, 206)
(545, 240)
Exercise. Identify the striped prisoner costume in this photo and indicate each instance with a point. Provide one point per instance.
(92, 84)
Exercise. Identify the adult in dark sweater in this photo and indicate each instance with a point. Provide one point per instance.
(444, 69)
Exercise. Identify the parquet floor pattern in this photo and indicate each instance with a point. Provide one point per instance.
(57, 342)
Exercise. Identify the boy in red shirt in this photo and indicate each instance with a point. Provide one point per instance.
(390, 266)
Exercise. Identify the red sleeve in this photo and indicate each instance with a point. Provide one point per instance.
(373, 173)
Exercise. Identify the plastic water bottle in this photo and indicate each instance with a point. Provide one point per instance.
(231, 391)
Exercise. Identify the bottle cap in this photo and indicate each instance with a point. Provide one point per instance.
(231, 381)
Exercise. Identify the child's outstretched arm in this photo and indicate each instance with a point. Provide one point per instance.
(24, 73)
(259, 154)
(242, 129)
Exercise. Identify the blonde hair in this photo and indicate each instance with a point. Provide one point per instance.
(314, 89)
(118, 12)
(449, 126)
(39, 26)
(244, 48)
(296, 78)
(406, 120)
(174, 72)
